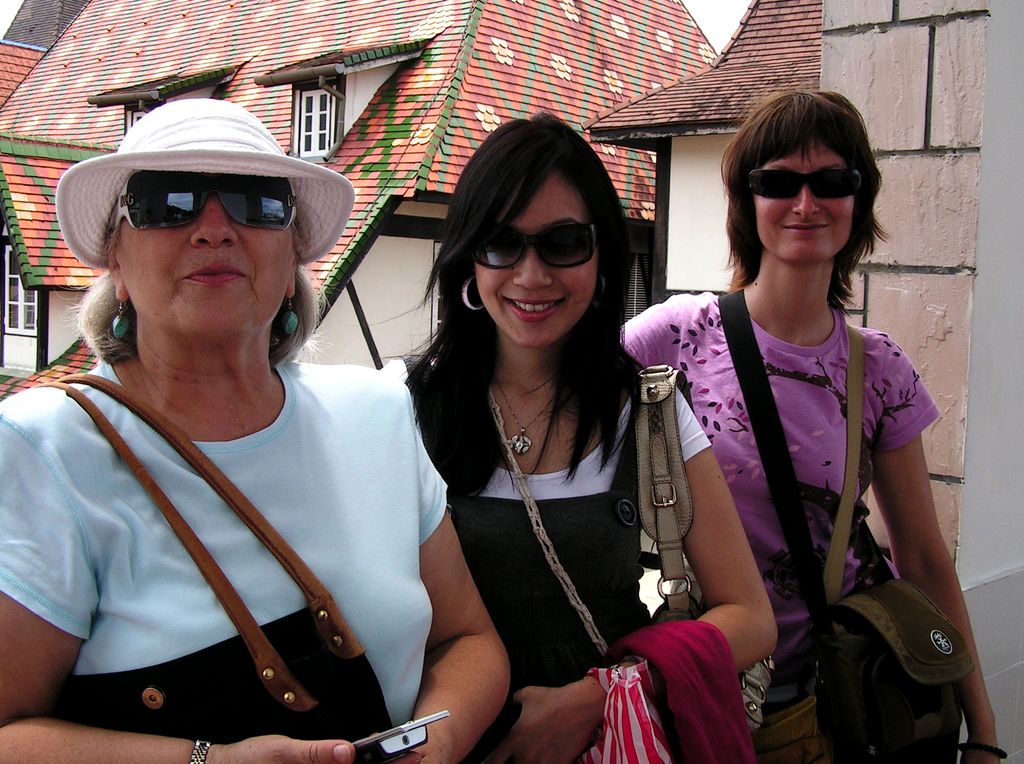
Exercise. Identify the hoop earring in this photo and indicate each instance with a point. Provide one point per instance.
(288, 318)
(119, 326)
(465, 295)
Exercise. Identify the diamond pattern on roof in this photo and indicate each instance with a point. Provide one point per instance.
(28, 180)
(483, 63)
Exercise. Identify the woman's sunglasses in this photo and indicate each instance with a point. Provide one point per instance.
(154, 199)
(785, 184)
(561, 246)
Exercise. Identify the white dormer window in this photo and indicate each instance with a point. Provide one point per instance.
(317, 123)
(19, 303)
(133, 115)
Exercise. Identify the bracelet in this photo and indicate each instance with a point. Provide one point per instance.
(199, 751)
(972, 746)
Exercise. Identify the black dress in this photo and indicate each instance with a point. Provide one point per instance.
(597, 540)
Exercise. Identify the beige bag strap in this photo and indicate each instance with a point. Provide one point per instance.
(327, 617)
(835, 562)
(666, 511)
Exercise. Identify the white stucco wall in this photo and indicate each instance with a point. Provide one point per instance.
(360, 87)
(63, 326)
(991, 558)
(698, 249)
(19, 353)
(991, 536)
(389, 283)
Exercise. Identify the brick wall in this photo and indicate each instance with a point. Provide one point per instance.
(941, 87)
(916, 72)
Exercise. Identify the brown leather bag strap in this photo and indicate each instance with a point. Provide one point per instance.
(327, 617)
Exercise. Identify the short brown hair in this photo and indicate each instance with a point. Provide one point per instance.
(789, 121)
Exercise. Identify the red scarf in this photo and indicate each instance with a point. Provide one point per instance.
(702, 689)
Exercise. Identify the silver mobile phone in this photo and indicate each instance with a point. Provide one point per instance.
(392, 743)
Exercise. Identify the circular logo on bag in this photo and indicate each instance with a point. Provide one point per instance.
(941, 642)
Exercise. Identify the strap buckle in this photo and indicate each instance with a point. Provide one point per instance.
(657, 383)
(668, 500)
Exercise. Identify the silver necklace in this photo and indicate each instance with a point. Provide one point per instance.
(520, 442)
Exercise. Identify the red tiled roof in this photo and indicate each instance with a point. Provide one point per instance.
(777, 46)
(16, 61)
(29, 171)
(483, 63)
(77, 358)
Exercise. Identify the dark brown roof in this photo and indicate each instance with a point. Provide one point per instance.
(41, 22)
(777, 46)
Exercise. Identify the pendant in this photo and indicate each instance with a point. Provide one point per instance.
(520, 443)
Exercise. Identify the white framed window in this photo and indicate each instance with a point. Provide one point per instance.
(19, 303)
(131, 116)
(316, 123)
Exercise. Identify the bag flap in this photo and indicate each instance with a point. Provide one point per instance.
(930, 649)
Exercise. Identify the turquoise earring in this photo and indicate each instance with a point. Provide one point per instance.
(119, 327)
(289, 318)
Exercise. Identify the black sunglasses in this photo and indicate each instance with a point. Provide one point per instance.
(785, 184)
(561, 246)
(154, 199)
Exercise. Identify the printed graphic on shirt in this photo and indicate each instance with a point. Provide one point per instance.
(809, 386)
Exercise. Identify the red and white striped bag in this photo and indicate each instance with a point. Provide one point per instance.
(632, 732)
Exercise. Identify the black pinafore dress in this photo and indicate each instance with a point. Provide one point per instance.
(597, 539)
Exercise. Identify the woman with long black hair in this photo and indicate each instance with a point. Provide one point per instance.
(525, 398)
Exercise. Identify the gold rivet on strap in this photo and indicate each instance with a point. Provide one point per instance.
(268, 673)
(289, 697)
(337, 640)
(153, 697)
(321, 614)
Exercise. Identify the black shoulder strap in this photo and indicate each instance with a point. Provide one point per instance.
(774, 452)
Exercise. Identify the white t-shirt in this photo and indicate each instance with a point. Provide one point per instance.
(341, 473)
(590, 478)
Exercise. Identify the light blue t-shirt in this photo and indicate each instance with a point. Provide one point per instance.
(341, 474)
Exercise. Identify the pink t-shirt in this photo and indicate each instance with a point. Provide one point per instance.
(809, 385)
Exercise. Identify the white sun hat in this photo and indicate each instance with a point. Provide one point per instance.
(198, 135)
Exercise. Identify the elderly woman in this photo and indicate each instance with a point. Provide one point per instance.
(115, 646)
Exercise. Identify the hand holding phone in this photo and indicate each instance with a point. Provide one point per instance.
(392, 743)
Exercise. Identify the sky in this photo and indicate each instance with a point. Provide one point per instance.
(7, 10)
(717, 18)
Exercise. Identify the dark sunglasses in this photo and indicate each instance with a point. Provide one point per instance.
(153, 199)
(785, 184)
(561, 246)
